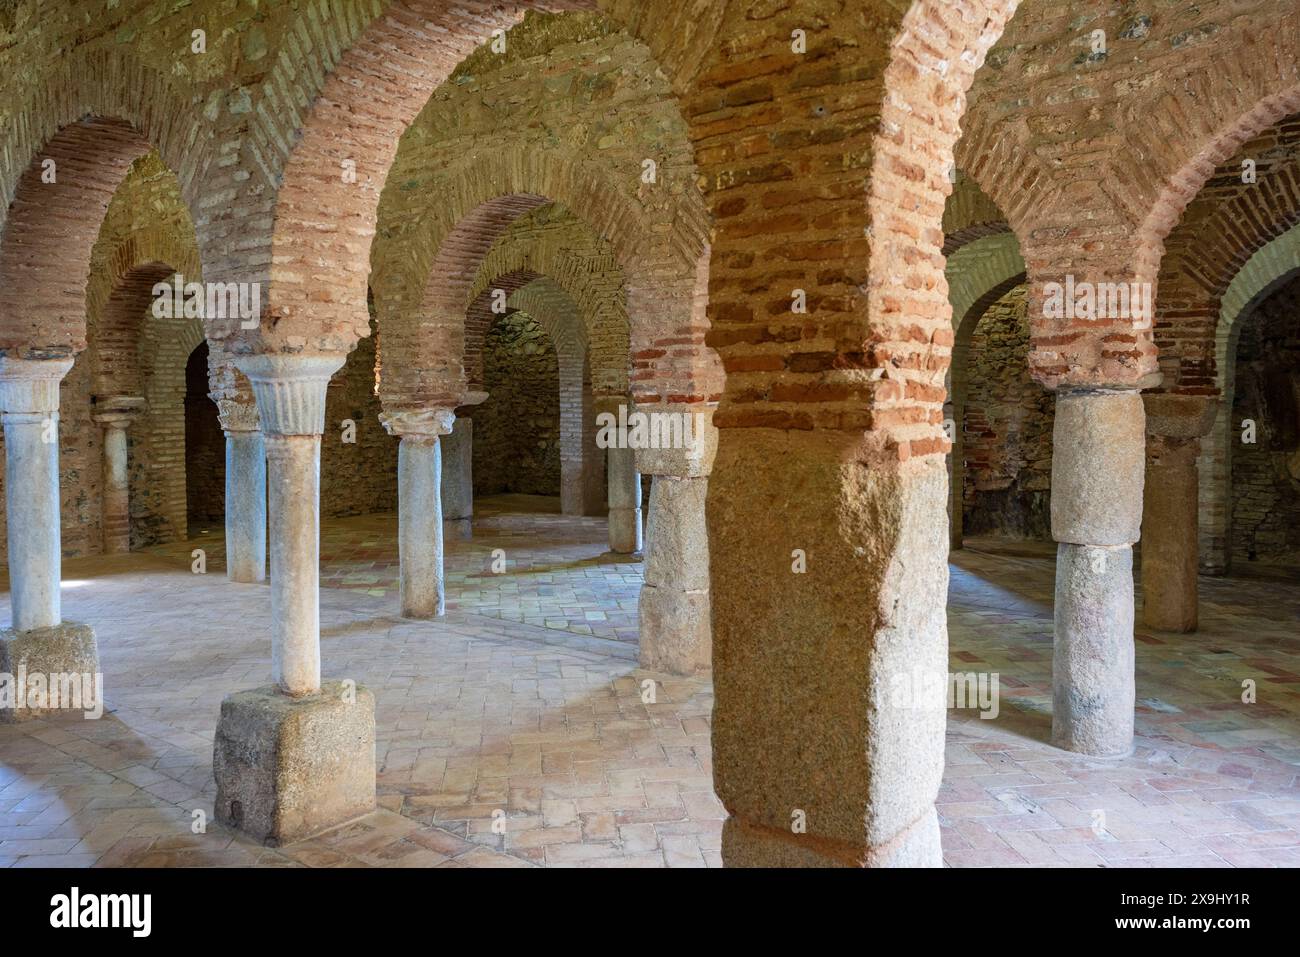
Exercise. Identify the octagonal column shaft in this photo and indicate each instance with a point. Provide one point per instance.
(1098, 455)
(290, 393)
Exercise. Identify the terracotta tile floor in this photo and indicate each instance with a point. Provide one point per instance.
(525, 700)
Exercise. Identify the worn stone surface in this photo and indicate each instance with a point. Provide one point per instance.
(67, 648)
(809, 716)
(676, 630)
(288, 768)
(1092, 656)
(1098, 442)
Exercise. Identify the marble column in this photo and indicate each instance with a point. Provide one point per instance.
(245, 492)
(419, 507)
(458, 478)
(115, 414)
(674, 611)
(1170, 513)
(298, 757)
(290, 391)
(1098, 457)
(38, 640)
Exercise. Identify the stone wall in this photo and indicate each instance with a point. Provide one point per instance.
(1266, 474)
(517, 429)
(205, 449)
(359, 477)
(1007, 428)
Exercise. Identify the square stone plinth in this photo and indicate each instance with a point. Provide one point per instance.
(288, 768)
(65, 649)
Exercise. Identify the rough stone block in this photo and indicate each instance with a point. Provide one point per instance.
(65, 648)
(1098, 464)
(287, 768)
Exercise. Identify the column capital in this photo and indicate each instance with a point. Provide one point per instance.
(117, 411)
(31, 385)
(237, 416)
(290, 390)
(426, 423)
(1176, 416)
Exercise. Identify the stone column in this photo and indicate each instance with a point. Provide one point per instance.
(458, 478)
(1098, 456)
(624, 502)
(115, 415)
(623, 480)
(245, 492)
(675, 617)
(38, 640)
(298, 757)
(419, 507)
(1175, 424)
(828, 723)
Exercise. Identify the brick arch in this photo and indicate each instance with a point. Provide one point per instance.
(370, 94)
(1270, 268)
(1226, 224)
(582, 472)
(1049, 151)
(421, 346)
(969, 214)
(573, 267)
(119, 300)
(94, 115)
(976, 268)
(988, 279)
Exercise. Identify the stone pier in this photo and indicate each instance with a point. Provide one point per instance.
(1098, 446)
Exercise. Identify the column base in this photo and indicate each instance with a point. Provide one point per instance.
(747, 845)
(676, 634)
(288, 768)
(62, 649)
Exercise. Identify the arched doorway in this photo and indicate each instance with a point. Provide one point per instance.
(205, 444)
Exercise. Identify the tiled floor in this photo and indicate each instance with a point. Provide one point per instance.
(525, 700)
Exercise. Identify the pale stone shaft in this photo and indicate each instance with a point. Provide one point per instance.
(245, 506)
(293, 480)
(29, 399)
(1098, 466)
(419, 477)
(624, 502)
(117, 496)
